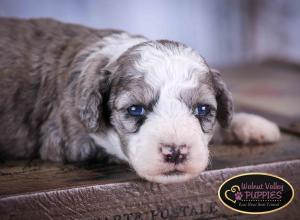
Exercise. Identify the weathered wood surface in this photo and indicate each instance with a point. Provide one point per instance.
(40, 190)
(137, 199)
(271, 87)
(23, 177)
(44, 191)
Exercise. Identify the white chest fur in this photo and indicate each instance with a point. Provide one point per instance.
(110, 141)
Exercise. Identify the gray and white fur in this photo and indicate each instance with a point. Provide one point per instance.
(65, 90)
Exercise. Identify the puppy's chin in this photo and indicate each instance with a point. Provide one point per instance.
(171, 178)
(166, 174)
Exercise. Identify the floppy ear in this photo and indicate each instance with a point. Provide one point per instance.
(91, 95)
(224, 100)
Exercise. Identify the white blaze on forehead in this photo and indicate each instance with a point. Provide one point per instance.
(171, 68)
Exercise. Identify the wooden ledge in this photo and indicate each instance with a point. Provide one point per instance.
(52, 191)
(21, 177)
(138, 199)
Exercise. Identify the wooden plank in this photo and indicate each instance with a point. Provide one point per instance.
(224, 156)
(21, 177)
(270, 89)
(138, 199)
(18, 177)
(41, 190)
(267, 87)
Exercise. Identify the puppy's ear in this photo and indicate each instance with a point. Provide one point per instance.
(92, 93)
(224, 100)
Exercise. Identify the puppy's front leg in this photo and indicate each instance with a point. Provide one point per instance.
(81, 148)
(248, 129)
(68, 143)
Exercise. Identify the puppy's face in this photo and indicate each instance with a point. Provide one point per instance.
(164, 103)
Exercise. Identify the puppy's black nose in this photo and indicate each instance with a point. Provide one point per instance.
(174, 154)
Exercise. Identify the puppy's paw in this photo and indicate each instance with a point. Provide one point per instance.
(81, 151)
(251, 129)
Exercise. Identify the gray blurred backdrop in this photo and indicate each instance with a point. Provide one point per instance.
(225, 32)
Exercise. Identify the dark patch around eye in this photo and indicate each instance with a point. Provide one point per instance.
(131, 124)
(140, 122)
(207, 123)
(153, 103)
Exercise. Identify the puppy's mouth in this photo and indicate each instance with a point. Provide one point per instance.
(174, 173)
(171, 176)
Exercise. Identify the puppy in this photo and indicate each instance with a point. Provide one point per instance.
(70, 93)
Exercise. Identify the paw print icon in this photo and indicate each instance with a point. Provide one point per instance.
(238, 196)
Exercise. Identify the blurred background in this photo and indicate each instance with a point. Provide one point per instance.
(255, 43)
(225, 32)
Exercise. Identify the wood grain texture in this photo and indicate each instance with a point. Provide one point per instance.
(270, 89)
(196, 199)
(41, 190)
(23, 177)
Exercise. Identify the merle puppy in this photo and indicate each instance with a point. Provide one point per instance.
(70, 93)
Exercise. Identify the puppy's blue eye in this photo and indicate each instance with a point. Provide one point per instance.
(202, 110)
(136, 110)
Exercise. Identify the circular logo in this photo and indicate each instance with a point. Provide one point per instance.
(256, 193)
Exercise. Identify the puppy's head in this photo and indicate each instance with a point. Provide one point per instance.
(164, 102)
